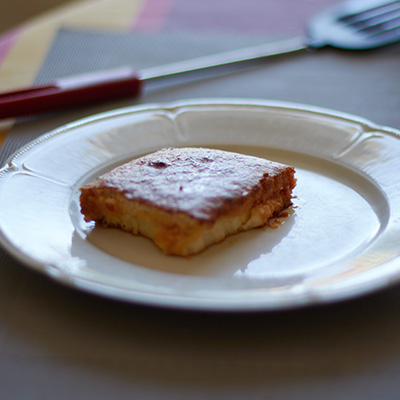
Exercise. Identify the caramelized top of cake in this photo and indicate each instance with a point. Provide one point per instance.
(202, 183)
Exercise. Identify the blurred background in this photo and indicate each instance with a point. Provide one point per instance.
(15, 12)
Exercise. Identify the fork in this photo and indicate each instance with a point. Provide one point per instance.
(352, 25)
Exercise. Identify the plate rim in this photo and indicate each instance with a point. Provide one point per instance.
(323, 111)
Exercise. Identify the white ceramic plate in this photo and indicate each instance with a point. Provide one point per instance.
(342, 240)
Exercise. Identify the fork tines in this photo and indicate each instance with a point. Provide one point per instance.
(383, 19)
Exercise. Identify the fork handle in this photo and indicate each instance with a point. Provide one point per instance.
(71, 92)
(122, 82)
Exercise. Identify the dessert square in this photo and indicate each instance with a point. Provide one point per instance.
(186, 199)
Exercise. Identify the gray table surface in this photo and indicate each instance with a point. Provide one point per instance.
(57, 343)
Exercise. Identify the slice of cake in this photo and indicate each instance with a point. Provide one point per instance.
(186, 199)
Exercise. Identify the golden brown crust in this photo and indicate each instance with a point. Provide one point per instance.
(185, 199)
